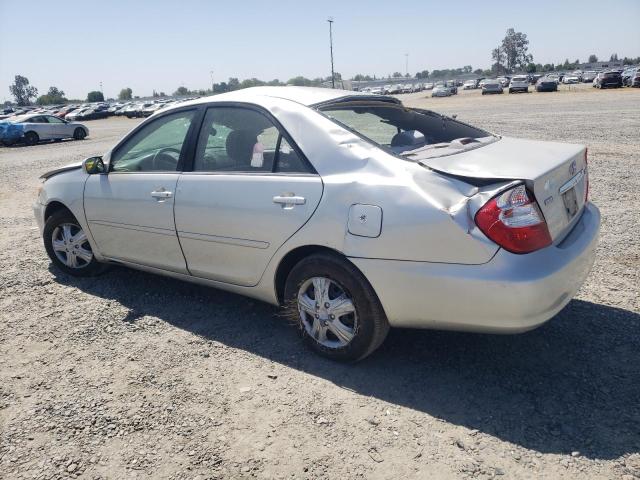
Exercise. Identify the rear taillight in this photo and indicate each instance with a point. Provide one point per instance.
(514, 221)
(586, 177)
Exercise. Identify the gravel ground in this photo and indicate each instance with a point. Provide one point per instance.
(133, 375)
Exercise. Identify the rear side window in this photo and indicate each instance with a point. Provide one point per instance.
(236, 139)
(398, 128)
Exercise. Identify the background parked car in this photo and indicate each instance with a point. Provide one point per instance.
(589, 76)
(469, 85)
(32, 128)
(634, 79)
(440, 90)
(570, 79)
(547, 84)
(491, 86)
(610, 79)
(519, 83)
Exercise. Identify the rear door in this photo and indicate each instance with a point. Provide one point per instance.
(41, 126)
(249, 190)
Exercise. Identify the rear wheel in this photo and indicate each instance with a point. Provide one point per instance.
(79, 133)
(338, 312)
(68, 247)
(31, 138)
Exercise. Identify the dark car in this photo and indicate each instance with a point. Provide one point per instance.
(546, 84)
(608, 79)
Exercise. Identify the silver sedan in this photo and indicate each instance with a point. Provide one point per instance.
(32, 128)
(351, 211)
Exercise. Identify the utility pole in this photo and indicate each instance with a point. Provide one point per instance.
(333, 77)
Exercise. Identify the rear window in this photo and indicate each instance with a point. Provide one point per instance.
(396, 128)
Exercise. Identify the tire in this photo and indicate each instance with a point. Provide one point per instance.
(31, 138)
(79, 134)
(74, 257)
(363, 326)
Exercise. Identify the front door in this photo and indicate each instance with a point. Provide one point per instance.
(249, 191)
(130, 209)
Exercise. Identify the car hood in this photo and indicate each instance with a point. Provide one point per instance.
(66, 168)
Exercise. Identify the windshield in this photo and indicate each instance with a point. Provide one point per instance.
(401, 130)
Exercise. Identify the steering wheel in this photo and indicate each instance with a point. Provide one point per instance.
(163, 161)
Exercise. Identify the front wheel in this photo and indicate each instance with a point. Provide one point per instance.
(31, 138)
(68, 247)
(338, 312)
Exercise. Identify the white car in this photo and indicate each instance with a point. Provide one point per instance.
(469, 85)
(32, 128)
(441, 91)
(570, 79)
(355, 212)
(519, 84)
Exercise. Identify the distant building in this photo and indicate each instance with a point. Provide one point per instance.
(601, 65)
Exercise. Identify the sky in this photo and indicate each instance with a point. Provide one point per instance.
(145, 45)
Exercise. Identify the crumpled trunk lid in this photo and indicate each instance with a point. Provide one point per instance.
(554, 172)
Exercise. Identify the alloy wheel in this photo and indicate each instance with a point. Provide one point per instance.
(71, 246)
(327, 312)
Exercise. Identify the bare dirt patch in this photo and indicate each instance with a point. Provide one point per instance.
(133, 375)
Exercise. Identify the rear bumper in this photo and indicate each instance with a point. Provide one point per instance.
(509, 294)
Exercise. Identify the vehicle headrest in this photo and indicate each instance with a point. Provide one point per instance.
(408, 138)
(240, 145)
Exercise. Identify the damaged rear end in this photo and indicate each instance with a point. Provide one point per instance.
(545, 199)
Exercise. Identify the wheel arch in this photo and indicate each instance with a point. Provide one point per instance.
(288, 261)
(53, 207)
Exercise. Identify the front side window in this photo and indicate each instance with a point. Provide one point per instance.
(156, 147)
(235, 139)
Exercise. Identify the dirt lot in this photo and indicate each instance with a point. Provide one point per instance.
(133, 375)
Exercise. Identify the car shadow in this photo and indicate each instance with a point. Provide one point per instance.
(571, 385)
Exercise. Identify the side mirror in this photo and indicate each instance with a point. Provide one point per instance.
(93, 165)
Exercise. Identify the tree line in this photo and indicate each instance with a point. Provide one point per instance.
(512, 55)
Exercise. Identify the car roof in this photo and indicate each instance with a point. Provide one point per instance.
(303, 95)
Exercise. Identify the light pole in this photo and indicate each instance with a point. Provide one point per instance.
(211, 73)
(333, 77)
(101, 90)
(406, 63)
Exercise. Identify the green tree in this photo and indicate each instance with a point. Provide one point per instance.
(95, 96)
(512, 52)
(498, 57)
(531, 68)
(593, 58)
(125, 94)
(300, 81)
(233, 83)
(423, 74)
(181, 91)
(614, 57)
(22, 91)
(53, 97)
(397, 75)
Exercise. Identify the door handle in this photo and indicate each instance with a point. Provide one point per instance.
(289, 200)
(161, 194)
